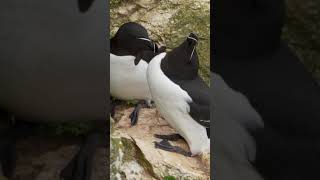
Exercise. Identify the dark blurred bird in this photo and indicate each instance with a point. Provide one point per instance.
(252, 59)
(53, 68)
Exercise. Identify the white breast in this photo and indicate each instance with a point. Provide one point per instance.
(128, 81)
(172, 103)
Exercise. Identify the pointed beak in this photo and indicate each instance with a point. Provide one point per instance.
(136, 61)
(193, 41)
(138, 58)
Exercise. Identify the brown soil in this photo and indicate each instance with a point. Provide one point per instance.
(43, 157)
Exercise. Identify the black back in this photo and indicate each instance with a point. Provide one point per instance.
(53, 59)
(277, 85)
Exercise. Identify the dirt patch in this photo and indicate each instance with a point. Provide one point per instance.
(43, 157)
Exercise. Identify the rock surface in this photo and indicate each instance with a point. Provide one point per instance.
(302, 32)
(42, 158)
(133, 155)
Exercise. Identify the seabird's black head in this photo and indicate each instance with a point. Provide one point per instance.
(246, 29)
(133, 39)
(182, 62)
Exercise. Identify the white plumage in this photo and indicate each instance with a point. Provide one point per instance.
(172, 103)
(127, 80)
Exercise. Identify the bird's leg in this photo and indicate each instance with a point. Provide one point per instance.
(166, 146)
(113, 110)
(135, 113)
(81, 165)
(7, 147)
(148, 103)
(113, 107)
(169, 137)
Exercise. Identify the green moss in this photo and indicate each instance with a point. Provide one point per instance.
(115, 3)
(117, 147)
(169, 178)
(3, 178)
(66, 128)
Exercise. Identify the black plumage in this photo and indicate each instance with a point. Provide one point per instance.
(53, 67)
(181, 66)
(133, 39)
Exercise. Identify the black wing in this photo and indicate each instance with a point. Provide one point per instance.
(198, 90)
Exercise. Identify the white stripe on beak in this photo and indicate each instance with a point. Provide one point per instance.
(192, 38)
(146, 39)
(192, 52)
(193, 47)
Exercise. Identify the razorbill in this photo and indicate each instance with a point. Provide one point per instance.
(252, 59)
(234, 148)
(181, 96)
(128, 81)
(53, 69)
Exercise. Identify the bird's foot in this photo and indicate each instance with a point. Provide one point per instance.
(113, 110)
(113, 106)
(80, 167)
(169, 137)
(7, 156)
(166, 146)
(134, 116)
(7, 147)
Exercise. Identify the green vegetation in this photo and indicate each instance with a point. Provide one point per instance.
(66, 128)
(114, 3)
(169, 178)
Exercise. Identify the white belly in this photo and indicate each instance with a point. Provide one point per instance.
(128, 81)
(172, 103)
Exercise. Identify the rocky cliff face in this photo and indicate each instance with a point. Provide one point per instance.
(133, 155)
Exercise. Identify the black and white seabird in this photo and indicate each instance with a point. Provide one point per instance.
(128, 80)
(181, 96)
(234, 148)
(53, 68)
(253, 59)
